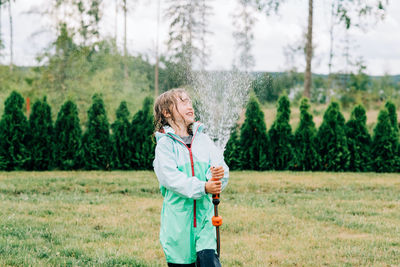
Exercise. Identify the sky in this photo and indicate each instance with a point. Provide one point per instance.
(378, 47)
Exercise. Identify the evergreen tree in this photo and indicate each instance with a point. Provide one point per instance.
(306, 155)
(232, 150)
(331, 140)
(121, 139)
(142, 143)
(280, 136)
(254, 139)
(391, 107)
(67, 136)
(384, 144)
(13, 139)
(358, 140)
(41, 145)
(96, 141)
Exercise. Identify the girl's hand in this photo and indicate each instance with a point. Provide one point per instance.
(213, 187)
(217, 172)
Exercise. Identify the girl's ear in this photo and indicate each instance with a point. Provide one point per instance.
(166, 114)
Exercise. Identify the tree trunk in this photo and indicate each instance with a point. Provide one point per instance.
(116, 22)
(1, 36)
(331, 37)
(309, 52)
(157, 58)
(11, 36)
(125, 45)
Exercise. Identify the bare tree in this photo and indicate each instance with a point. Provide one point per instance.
(82, 18)
(90, 15)
(156, 82)
(356, 14)
(205, 11)
(116, 21)
(307, 74)
(348, 11)
(1, 36)
(11, 35)
(127, 7)
(244, 20)
(187, 32)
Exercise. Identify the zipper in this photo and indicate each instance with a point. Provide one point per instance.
(192, 165)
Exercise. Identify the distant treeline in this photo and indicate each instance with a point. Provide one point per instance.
(349, 89)
(39, 144)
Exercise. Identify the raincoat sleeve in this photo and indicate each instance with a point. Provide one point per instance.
(217, 159)
(169, 176)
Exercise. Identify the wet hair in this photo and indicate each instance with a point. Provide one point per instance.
(165, 104)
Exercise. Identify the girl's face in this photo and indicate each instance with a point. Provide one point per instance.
(184, 112)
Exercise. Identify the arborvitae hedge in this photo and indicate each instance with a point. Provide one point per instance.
(384, 144)
(358, 140)
(68, 137)
(142, 142)
(30, 145)
(96, 141)
(232, 150)
(254, 141)
(331, 140)
(306, 156)
(391, 107)
(280, 137)
(14, 153)
(41, 139)
(122, 152)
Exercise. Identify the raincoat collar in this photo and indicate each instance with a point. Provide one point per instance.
(197, 127)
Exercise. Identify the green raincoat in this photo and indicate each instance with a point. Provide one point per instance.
(187, 210)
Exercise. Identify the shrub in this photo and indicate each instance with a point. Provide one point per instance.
(280, 136)
(384, 144)
(254, 139)
(232, 150)
(96, 141)
(332, 142)
(14, 153)
(121, 138)
(142, 142)
(67, 136)
(358, 140)
(41, 139)
(306, 155)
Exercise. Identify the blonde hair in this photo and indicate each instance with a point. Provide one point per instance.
(164, 104)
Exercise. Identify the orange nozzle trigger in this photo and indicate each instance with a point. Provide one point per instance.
(216, 220)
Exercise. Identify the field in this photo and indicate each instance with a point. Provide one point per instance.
(270, 219)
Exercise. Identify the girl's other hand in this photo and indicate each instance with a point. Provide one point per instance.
(217, 172)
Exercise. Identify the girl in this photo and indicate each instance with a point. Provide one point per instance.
(183, 167)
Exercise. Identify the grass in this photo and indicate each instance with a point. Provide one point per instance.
(270, 218)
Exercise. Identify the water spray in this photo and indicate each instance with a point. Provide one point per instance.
(220, 99)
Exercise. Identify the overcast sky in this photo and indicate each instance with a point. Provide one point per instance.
(379, 46)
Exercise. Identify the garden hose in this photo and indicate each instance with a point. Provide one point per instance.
(216, 220)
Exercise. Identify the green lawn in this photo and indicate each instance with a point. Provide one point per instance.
(270, 218)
